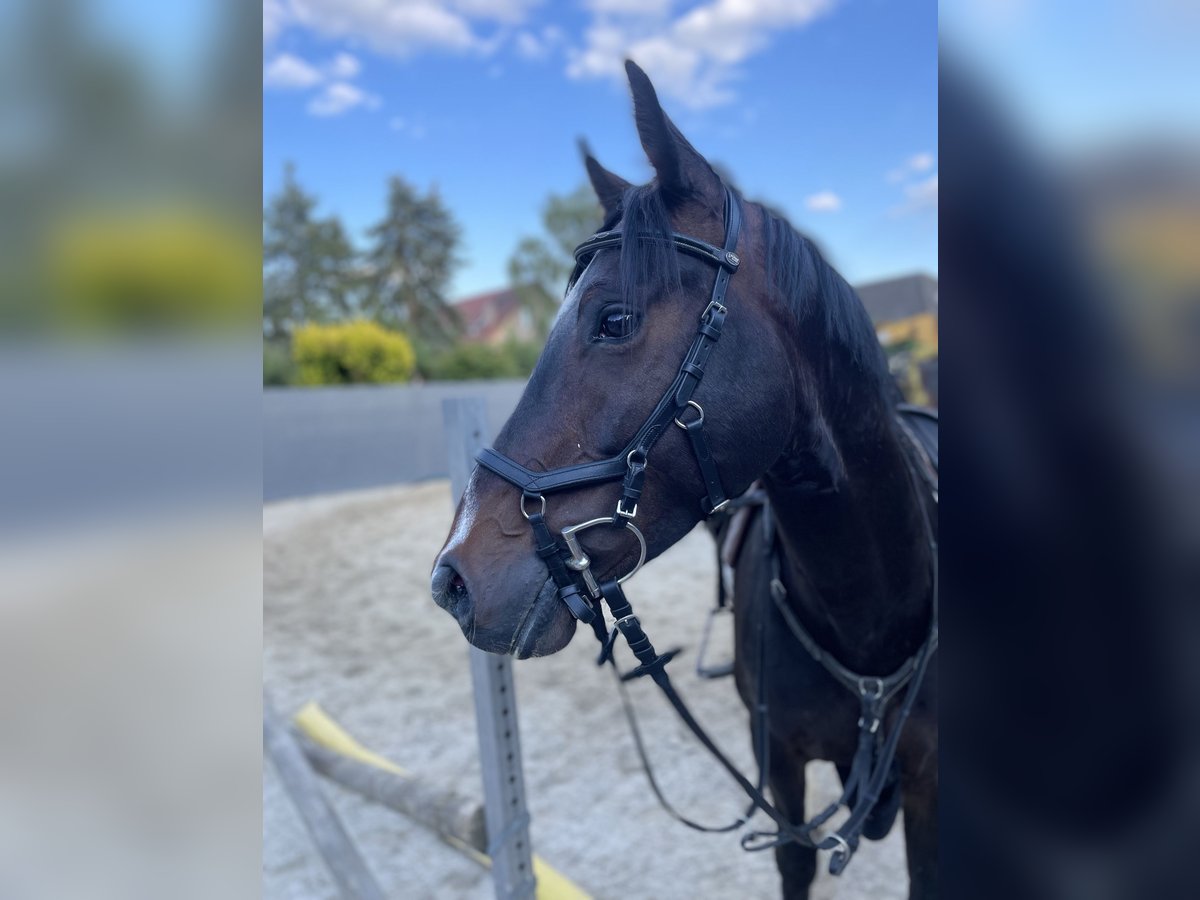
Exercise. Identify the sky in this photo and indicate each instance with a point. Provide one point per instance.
(827, 109)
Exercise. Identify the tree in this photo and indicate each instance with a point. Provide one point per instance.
(539, 267)
(310, 269)
(413, 256)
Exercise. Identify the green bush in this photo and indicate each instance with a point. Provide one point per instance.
(353, 352)
(278, 368)
(480, 361)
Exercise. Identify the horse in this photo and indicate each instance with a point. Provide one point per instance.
(796, 398)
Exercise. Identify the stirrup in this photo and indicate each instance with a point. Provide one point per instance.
(703, 669)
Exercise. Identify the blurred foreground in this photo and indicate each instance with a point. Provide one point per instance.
(130, 539)
(1070, 756)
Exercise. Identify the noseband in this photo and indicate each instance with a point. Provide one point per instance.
(569, 566)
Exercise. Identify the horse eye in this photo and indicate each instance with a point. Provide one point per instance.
(616, 325)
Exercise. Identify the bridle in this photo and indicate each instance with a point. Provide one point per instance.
(570, 567)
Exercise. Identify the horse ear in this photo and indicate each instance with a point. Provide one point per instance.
(680, 168)
(609, 188)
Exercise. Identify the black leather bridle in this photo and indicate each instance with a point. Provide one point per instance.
(570, 568)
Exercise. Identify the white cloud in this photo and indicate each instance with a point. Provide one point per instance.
(914, 165)
(286, 71)
(920, 193)
(528, 46)
(507, 11)
(274, 17)
(921, 162)
(400, 125)
(337, 94)
(400, 30)
(825, 201)
(538, 46)
(692, 58)
(918, 197)
(344, 65)
(531, 47)
(406, 27)
(631, 7)
(290, 72)
(923, 194)
(340, 97)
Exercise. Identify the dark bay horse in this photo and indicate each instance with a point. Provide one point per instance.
(796, 396)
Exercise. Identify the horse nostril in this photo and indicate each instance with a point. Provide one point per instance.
(450, 591)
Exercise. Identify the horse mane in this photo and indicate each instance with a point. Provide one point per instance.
(809, 286)
(817, 295)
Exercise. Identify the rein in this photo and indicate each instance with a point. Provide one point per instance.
(579, 590)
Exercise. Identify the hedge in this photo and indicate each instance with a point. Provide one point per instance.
(278, 368)
(480, 361)
(352, 352)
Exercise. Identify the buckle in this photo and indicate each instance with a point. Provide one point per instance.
(699, 411)
(630, 514)
(630, 619)
(862, 687)
(840, 855)
(539, 497)
(713, 306)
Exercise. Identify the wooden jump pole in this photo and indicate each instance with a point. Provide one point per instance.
(505, 810)
(354, 880)
(457, 820)
(459, 823)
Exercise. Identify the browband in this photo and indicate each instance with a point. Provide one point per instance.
(726, 259)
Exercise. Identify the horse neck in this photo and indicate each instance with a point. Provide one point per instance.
(856, 559)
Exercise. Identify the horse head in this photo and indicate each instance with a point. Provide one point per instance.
(629, 317)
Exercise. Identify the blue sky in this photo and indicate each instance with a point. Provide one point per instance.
(826, 108)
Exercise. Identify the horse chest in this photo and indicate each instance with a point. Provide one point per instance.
(808, 711)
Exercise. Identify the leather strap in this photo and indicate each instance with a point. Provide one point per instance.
(552, 554)
(715, 497)
(532, 482)
(872, 760)
(725, 258)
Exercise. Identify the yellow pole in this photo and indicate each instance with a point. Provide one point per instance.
(322, 729)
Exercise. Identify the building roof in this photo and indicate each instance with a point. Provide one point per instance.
(483, 315)
(894, 299)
